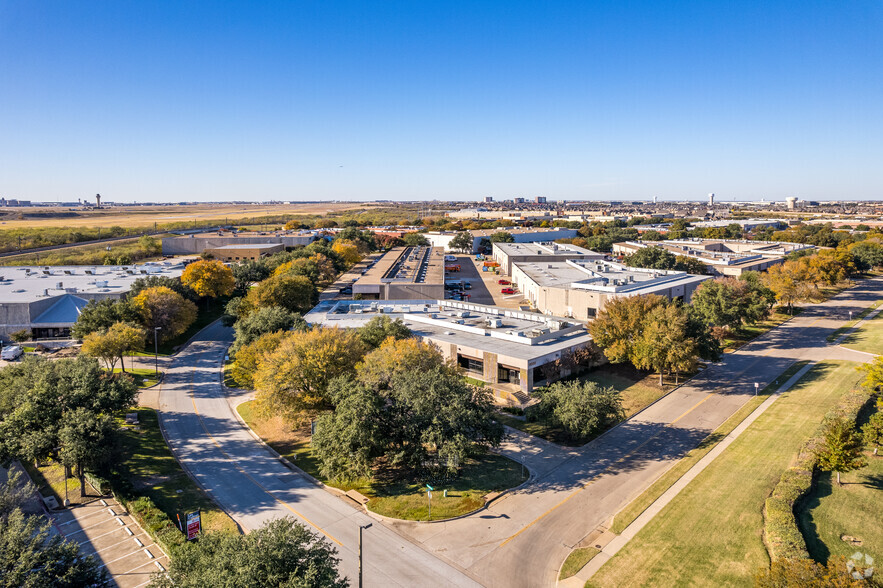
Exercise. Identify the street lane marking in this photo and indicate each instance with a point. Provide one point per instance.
(247, 475)
(604, 471)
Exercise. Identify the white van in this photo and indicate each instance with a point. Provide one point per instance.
(450, 258)
(11, 353)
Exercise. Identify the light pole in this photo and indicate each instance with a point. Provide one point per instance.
(156, 350)
(361, 528)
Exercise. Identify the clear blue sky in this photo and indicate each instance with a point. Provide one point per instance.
(188, 100)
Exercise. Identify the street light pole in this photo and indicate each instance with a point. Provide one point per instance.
(361, 528)
(156, 351)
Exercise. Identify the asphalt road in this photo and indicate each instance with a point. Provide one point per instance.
(253, 486)
(521, 540)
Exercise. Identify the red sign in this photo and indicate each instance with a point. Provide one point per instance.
(194, 525)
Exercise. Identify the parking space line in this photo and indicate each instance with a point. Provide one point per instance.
(89, 540)
(130, 554)
(87, 528)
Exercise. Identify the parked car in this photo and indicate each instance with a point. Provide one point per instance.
(346, 290)
(11, 353)
(504, 282)
(507, 291)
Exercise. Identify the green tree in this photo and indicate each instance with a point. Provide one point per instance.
(728, 302)
(86, 441)
(462, 241)
(31, 556)
(247, 273)
(380, 328)
(282, 552)
(652, 236)
(842, 449)
(165, 309)
(652, 257)
(873, 374)
(583, 409)
(620, 324)
(867, 255)
(100, 315)
(289, 291)
(14, 493)
(169, 282)
(691, 265)
(268, 319)
(501, 237)
(114, 343)
(415, 240)
(872, 431)
(665, 343)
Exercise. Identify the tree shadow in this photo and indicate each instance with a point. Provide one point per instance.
(803, 512)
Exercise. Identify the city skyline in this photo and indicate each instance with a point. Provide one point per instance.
(352, 101)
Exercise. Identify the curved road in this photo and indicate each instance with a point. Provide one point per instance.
(521, 540)
(253, 486)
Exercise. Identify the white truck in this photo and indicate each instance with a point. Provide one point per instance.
(11, 353)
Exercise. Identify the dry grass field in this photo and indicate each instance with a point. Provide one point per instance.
(142, 216)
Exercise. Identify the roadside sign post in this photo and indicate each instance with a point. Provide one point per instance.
(756, 386)
(194, 525)
(429, 490)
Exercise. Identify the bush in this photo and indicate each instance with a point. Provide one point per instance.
(155, 522)
(20, 336)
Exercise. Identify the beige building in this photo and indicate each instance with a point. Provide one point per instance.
(579, 289)
(519, 235)
(404, 273)
(508, 253)
(244, 252)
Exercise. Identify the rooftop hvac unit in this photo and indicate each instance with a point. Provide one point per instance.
(101, 284)
(59, 285)
(494, 323)
(462, 313)
(45, 292)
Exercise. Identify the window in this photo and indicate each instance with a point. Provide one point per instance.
(470, 365)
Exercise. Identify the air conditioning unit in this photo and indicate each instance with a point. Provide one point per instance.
(494, 323)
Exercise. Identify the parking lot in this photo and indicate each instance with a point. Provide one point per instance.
(485, 285)
(103, 529)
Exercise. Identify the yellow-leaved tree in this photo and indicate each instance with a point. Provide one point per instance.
(347, 250)
(165, 309)
(209, 278)
(112, 344)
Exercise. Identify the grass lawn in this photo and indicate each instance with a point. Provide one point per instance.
(633, 510)
(143, 377)
(638, 390)
(711, 533)
(49, 480)
(578, 558)
(840, 520)
(833, 336)
(748, 332)
(153, 470)
(397, 499)
(868, 337)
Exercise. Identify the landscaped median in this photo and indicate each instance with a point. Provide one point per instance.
(852, 323)
(451, 497)
(711, 533)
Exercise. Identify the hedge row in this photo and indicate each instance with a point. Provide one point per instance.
(155, 522)
(781, 533)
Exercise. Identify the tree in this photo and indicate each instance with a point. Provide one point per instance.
(249, 357)
(501, 237)
(691, 265)
(21, 335)
(86, 442)
(247, 273)
(282, 552)
(209, 278)
(872, 431)
(583, 409)
(415, 240)
(652, 236)
(790, 282)
(664, 343)
(842, 448)
(462, 241)
(874, 374)
(169, 282)
(114, 343)
(265, 320)
(14, 493)
(380, 328)
(289, 291)
(620, 323)
(293, 378)
(100, 315)
(867, 255)
(347, 250)
(32, 556)
(652, 257)
(163, 308)
(728, 302)
(393, 356)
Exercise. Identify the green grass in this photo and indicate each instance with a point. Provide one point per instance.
(636, 395)
(711, 533)
(144, 378)
(578, 558)
(395, 498)
(633, 510)
(474, 381)
(830, 512)
(836, 334)
(868, 337)
(49, 479)
(153, 471)
(229, 380)
(746, 333)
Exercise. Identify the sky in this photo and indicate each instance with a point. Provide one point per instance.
(455, 100)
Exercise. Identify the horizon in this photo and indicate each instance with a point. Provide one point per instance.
(452, 102)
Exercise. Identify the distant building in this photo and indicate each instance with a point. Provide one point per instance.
(488, 198)
(746, 224)
(508, 253)
(540, 200)
(197, 243)
(580, 288)
(518, 200)
(46, 301)
(519, 234)
(244, 251)
(711, 199)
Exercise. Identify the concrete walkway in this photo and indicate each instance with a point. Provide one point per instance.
(629, 532)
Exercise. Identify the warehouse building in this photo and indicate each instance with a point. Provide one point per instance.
(46, 300)
(508, 349)
(199, 242)
(579, 289)
(244, 252)
(404, 273)
(508, 253)
(519, 235)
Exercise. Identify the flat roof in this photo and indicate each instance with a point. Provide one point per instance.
(408, 265)
(545, 249)
(507, 332)
(249, 246)
(603, 276)
(30, 283)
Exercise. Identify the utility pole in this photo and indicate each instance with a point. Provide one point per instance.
(361, 528)
(156, 350)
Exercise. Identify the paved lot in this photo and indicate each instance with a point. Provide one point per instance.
(485, 289)
(103, 529)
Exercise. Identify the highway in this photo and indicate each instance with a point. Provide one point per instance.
(253, 486)
(521, 540)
